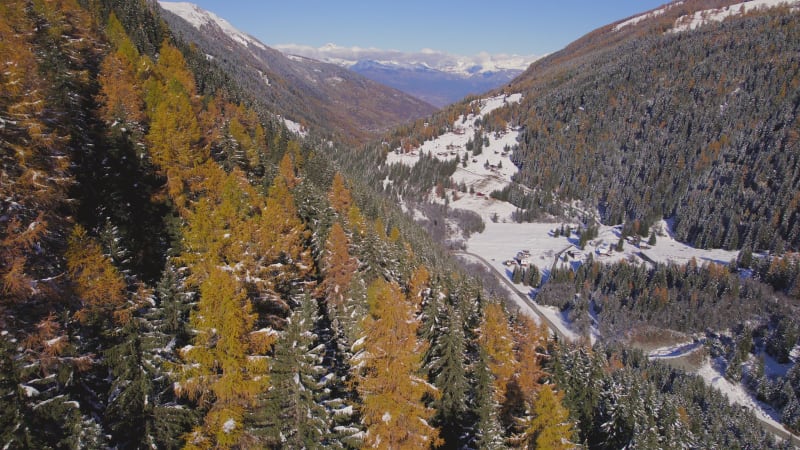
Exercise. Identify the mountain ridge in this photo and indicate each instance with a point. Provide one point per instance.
(321, 96)
(436, 77)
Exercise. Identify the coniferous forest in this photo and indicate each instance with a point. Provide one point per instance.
(178, 270)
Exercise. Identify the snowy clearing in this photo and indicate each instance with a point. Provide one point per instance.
(501, 241)
(675, 351)
(294, 127)
(452, 145)
(700, 18)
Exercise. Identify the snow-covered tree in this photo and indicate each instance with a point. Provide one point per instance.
(292, 414)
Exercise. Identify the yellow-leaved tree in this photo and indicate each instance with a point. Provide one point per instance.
(549, 427)
(226, 368)
(121, 97)
(388, 379)
(285, 255)
(498, 342)
(339, 196)
(98, 284)
(338, 267)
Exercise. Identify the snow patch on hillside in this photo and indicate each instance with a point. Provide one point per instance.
(453, 144)
(650, 15)
(294, 127)
(198, 17)
(700, 18)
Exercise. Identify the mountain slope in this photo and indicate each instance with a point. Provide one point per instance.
(178, 272)
(673, 114)
(321, 96)
(699, 125)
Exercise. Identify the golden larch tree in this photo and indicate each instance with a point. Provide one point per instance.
(549, 427)
(339, 196)
(338, 267)
(498, 342)
(226, 366)
(98, 284)
(388, 380)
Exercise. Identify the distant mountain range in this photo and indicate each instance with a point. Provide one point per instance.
(436, 77)
(322, 96)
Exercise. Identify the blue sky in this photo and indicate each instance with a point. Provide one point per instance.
(465, 27)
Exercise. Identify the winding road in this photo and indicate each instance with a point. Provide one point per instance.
(780, 432)
(554, 328)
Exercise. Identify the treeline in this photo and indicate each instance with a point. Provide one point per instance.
(700, 126)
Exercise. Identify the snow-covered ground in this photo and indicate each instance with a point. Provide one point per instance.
(502, 240)
(736, 393)
(700, 18)
(558, 318)
(641, 17)
(199, 17)
(295, 127)
(678, 350)
(453, 144)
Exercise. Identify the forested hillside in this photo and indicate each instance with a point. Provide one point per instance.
(180, 271)
(701, 126)
(645, 121)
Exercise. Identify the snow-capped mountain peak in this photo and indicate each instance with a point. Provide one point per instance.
(199, 17)
(425, 58)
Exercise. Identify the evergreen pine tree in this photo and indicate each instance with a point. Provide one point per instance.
(533, 276)
(487, 433)
(292, 414)
(130, 408)
(516, 276)
(448, 373)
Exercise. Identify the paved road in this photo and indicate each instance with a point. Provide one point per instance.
(770, 428)
(531, 305)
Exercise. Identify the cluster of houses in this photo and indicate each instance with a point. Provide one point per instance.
(523, 259)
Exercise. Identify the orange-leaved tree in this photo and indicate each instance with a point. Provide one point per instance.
(226, 368)
(388, 379)
(498, 343)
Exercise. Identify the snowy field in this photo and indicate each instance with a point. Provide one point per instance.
(501, 241)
